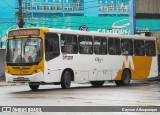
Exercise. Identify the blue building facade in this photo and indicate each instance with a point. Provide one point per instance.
(63, 8)
(96, 15)
(7, 18)
(109, 16)
(61, 13)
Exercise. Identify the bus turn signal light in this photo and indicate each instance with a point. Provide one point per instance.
(7, 71)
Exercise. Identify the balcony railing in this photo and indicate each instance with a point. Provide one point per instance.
(113, 8)
(73, 6)
(51, 6)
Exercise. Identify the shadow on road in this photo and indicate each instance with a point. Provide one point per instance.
(109, 86)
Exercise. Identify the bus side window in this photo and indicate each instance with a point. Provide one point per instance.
(85, 44)
(139, 49)
(100, 45)
(127, 47)
(114, 46)
(69, 44)
(51, 46)
(150, 48)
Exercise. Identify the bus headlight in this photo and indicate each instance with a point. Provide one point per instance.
(38, 70)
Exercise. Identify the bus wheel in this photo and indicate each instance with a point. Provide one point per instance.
(118, 82)
(97, 83)
(66, 80)
(126, 76)
(34, 87)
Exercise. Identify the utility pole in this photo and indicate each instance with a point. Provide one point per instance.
(20, 15)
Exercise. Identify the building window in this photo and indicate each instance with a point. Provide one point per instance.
(139, 48)
(85, 44)
(127, 47)
(69, 44)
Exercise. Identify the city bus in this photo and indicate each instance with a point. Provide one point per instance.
(41, 56)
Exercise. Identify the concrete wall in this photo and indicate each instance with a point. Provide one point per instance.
(148, 6)
(2, 62)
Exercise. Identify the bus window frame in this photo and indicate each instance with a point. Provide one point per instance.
(58, 44)
(154, 48)
(86, 45)
(106, 40)
(120, 53)
(77, 45)
(130, 47)
(138, 48)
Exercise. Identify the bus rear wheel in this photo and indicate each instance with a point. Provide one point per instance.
(97, 83)
(66, 80)
(126, 76)
(33, 86)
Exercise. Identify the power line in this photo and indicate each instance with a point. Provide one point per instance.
(65, 22)
(7, 12)
(62, 12)
(69, 22)
(9, 5)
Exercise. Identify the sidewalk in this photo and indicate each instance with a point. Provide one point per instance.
(4, 83)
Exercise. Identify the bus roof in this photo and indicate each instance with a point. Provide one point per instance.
(88, 33)
(91, 33)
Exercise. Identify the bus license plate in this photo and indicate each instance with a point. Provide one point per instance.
(21, 78)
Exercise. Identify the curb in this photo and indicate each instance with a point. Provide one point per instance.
(4, 83)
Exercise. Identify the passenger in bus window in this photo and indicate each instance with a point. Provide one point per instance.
(125, 48)
(90, 50)
(101, 49)
(74, 48)
(111, 50)
(81, 49)
(141, 50)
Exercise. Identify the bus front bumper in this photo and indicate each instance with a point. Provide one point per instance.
(38, 77)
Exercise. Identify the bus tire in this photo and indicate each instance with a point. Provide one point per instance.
(125, 80)
(126, 77)
(66, 80)
(118, 82)
(97, 83)
(34, 87)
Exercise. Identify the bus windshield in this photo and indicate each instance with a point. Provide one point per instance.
(23, 51)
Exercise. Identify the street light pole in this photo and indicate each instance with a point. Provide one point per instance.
(132, 17)
(20, 15)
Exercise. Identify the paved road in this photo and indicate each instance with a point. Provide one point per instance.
(137, 94)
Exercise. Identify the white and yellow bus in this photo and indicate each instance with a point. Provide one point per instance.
(42, 56)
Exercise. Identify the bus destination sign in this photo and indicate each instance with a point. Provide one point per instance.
(24, 32)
